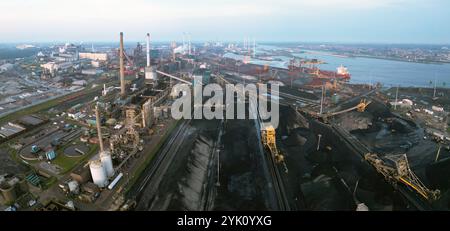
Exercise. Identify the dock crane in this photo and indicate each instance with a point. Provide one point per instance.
(312, 65)
(269, 141)
(401, 173)
(360, 107)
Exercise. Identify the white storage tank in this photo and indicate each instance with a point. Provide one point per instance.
(98, 173)
(106, 160)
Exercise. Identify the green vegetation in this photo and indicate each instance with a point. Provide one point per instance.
(48, 182)
(68, 163)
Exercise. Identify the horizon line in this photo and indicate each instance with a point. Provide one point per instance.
(230, 41)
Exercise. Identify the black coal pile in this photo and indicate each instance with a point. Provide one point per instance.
(185, 183)
(327, 178)
(321, 194)
(244, 181)
(388, 133)
(294, 139)
(291, 120)
(401, 126)
(435, 173)
(192, 186)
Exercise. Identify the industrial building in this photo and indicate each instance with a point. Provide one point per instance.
(53, 67)
(6, 67)
(24, 123)
(81, 174)
(12, 187)
(93, 56)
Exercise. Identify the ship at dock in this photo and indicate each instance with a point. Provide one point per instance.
(299, 72)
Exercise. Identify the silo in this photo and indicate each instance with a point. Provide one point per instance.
(106, 160)
(98, 173)
(8, 192)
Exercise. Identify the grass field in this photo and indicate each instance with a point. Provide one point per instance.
(68, 163)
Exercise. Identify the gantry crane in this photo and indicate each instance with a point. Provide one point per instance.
(360, 107)
(312, 65)
(401, 173)
(269, 141)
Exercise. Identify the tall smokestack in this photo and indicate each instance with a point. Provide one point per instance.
(122, 74)
(148, 49)
(99, 130)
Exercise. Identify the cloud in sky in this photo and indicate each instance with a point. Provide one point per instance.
(227, 19)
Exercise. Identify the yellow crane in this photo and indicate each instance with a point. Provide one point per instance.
(401, 173)
(361, 107)
(269, 140)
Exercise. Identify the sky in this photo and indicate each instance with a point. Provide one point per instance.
(346, 21)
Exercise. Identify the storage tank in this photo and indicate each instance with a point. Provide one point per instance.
(98, 173)
(106, 160)
(8, 192)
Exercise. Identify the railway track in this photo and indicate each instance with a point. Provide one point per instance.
(281, 94)
(277, 180)
(297, 98)
(155, 172)
(276, 177)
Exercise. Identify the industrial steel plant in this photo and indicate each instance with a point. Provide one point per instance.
(220, 124)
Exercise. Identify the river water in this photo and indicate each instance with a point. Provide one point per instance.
(369, 70)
